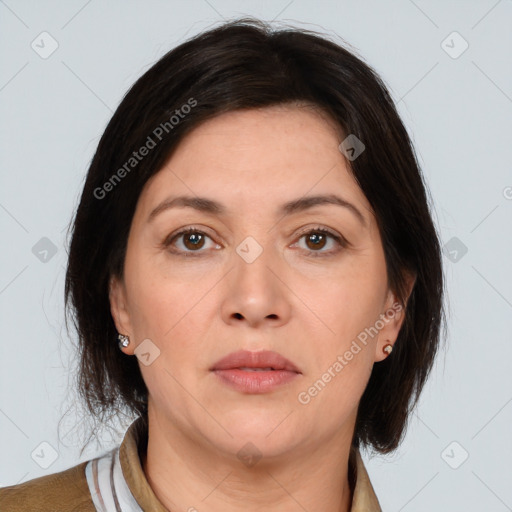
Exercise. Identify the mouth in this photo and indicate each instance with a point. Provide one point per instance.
(264, 360)
(255, 372)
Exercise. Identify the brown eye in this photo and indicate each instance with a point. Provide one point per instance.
(316, 240)
(193, 240)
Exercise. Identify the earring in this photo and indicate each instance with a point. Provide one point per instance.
(124, 341)
(388, 348)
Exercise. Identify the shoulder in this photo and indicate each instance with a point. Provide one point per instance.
(64, 491)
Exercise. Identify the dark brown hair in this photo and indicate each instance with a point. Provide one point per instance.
(245, 64)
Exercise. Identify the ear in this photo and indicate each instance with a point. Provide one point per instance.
(392, 318)
(119, 311)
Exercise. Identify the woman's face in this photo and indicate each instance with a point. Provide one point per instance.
(250, 278)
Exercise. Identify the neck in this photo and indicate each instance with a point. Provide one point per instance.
(187, 475)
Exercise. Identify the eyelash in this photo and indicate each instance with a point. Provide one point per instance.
(341, 241)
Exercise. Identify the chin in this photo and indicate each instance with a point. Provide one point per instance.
(270, 433)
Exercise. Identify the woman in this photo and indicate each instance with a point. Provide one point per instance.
(254, 231)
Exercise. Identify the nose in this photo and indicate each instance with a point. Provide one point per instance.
(256, 293)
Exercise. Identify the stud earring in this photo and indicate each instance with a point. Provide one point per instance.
(388, 349)
(124, 341)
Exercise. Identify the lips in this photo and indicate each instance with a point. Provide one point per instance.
(255, 372)
(255, 361)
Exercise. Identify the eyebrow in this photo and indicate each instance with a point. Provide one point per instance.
(210, 206)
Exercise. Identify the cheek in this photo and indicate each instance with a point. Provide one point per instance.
(168, 311)
(348, 300)
(352, 306)
(348, 386)
(174, 312)
(333, 395)
(162, 298)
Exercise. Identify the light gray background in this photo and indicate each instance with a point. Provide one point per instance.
(458, 111)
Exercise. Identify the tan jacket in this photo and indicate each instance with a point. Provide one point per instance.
(68, 490)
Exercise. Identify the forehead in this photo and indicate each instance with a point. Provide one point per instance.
(258, 157)
(303, 128)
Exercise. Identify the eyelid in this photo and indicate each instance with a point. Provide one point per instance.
(321, 228)
(187, 229)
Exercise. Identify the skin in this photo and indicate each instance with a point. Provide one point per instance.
(197, 309)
